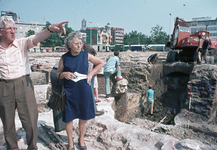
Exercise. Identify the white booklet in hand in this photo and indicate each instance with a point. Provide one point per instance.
(79, 77)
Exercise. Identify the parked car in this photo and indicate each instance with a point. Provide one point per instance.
(37, 50)
(31, 50)
(43, 50)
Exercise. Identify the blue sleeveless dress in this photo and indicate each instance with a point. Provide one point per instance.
(79, 98)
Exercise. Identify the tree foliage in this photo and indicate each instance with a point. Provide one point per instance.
(54, 39)
(136, 38)
(30, 32)
(157, 35)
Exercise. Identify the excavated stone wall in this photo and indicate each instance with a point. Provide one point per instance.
(171, 83)
(203, 82)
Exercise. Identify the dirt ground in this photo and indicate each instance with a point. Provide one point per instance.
(164, 106)
(206, 133)
(171, 104)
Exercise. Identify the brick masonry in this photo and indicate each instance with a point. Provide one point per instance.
(101, 83)
(120, 106)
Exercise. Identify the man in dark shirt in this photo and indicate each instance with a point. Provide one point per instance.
(205, 48)
(153, 58)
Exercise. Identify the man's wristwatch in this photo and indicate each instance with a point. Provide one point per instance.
(49, 30)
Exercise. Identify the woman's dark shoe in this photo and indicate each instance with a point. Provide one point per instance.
(82, 147)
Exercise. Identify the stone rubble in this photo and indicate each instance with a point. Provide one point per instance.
(105, 132)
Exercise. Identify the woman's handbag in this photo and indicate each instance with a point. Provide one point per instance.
(57, 100)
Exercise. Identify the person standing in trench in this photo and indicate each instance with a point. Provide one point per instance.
(150, 101)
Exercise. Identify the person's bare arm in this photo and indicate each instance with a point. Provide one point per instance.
(60, 69)
(149, 60)
(61, 74)
(46, 33)
(118, 67)
(99, 64)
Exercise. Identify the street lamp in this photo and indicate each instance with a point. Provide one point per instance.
(138, 39)
(169, 25)
(206, 27)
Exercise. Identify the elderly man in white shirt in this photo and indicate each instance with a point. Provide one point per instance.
(16, 87)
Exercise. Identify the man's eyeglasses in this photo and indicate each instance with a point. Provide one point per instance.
(10, 28)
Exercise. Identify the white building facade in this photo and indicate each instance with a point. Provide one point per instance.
(205, 24)
(103, 37)
(23, 28)
(118, 35)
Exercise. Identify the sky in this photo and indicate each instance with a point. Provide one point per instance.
(132, 15)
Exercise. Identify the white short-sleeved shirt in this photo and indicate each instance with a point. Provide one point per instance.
(14, 61)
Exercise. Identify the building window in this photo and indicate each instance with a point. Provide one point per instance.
(21, 34)
(200, 23)
(213, 34)
(212, 29)
(207, 23)
(213, 23)
(27, 27)
(37, 28)
(21, 27)
(194, 24)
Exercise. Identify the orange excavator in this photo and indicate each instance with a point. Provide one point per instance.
(183, 44)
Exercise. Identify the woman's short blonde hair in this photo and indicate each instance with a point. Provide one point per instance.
(68, 40)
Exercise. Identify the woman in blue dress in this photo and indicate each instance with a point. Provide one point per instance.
(73, 68)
